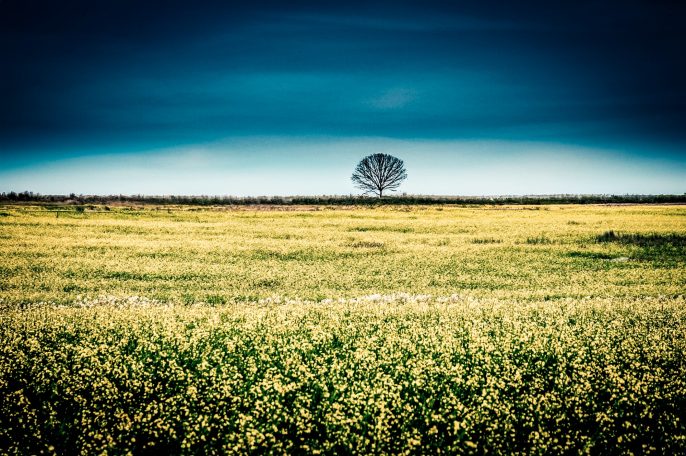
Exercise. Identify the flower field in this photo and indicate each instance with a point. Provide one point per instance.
(388, 330)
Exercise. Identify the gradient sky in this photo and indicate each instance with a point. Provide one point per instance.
(276, 98)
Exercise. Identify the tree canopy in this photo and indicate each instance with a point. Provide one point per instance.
(377, 173)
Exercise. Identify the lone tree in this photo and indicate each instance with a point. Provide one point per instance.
(378, 172)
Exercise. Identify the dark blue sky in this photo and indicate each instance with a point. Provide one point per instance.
(251, 82)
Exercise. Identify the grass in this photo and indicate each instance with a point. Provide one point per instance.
(488, 252)
(402, 330)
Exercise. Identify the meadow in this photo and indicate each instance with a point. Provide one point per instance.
(343, 330)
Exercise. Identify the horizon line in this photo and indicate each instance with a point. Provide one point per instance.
(72, 195)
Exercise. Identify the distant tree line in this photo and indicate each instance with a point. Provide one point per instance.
(335, 200)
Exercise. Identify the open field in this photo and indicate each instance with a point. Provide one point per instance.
(403, 329)
(191, 256)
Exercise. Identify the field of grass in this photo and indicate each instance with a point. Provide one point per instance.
(404, 330)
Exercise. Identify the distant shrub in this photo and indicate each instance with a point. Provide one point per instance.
(607, 236)
(367, 244)
(393, 229)
(486, 241)
(538, 240)
(644, 240)
(215, 300)
(591, 255)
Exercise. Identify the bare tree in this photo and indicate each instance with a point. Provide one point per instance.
(378, 172)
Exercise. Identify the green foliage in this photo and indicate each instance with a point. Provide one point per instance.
(486, 241)
(383, 374)
(541, 239)
(644, 239)
(662, 248)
